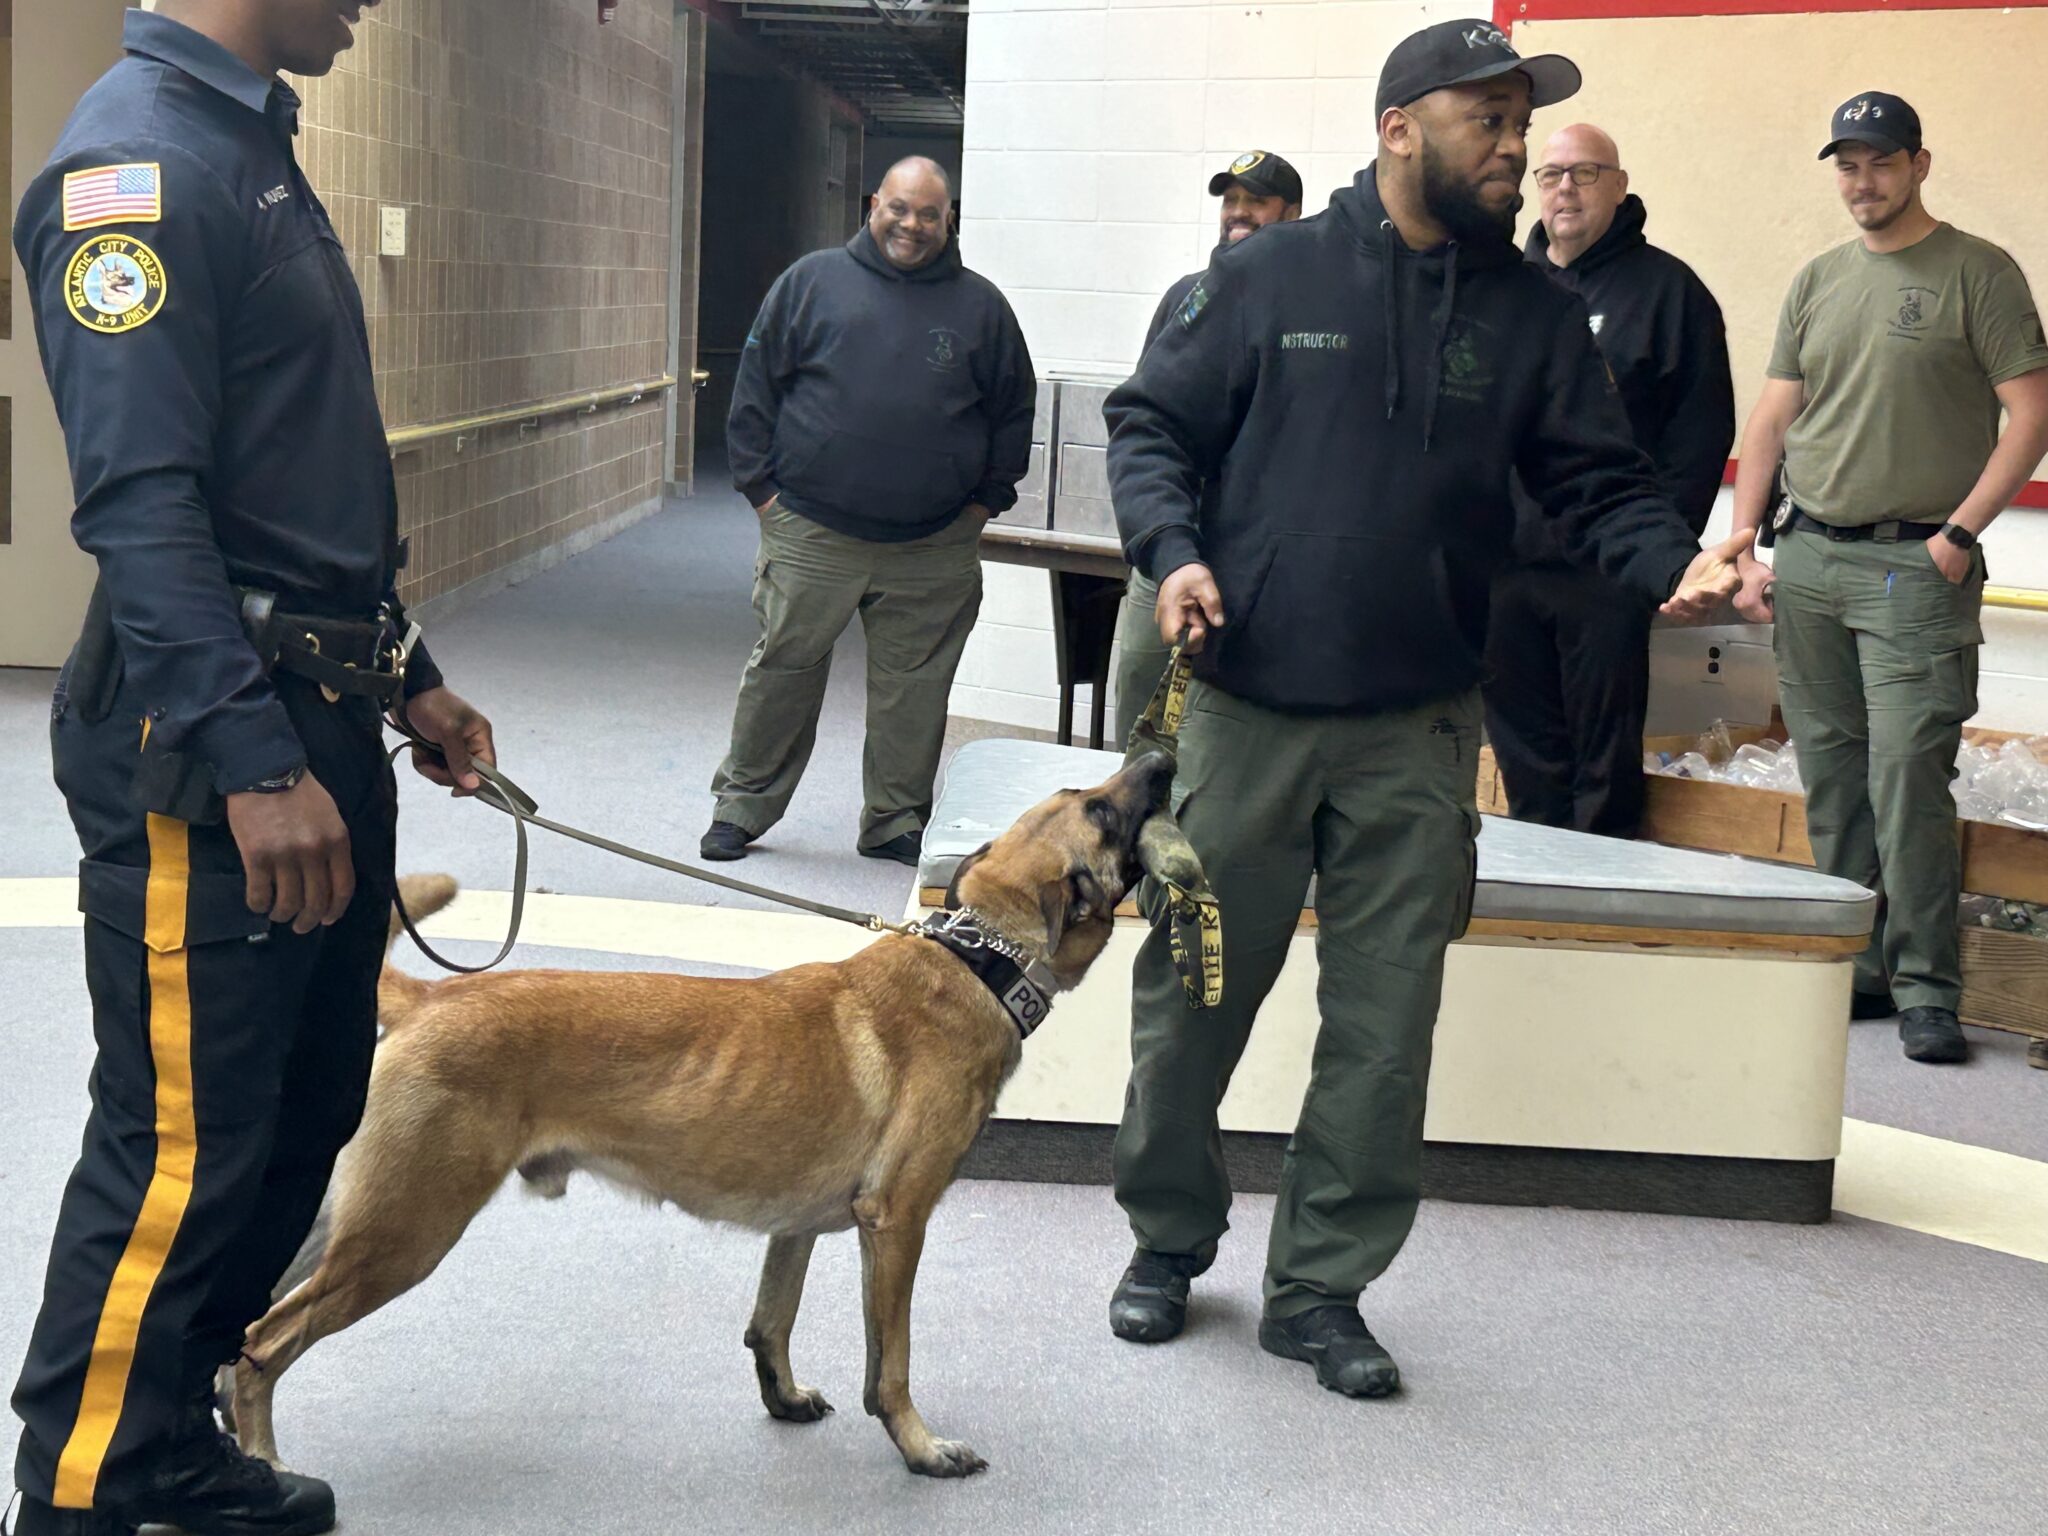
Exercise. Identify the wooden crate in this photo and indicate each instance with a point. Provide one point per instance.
(2003, 861)
(2005, 981)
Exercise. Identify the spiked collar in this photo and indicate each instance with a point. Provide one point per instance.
(1023, 986)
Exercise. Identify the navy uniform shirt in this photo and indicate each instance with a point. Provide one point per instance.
(204, 339)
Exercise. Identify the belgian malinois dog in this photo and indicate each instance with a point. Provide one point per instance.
(803, 1102)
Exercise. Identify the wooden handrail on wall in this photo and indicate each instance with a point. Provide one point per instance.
(406, 439)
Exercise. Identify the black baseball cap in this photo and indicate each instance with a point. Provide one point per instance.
(1464, 53)
(1886, 123)
(1262, 172)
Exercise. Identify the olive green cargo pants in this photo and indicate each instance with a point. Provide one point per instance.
(1877, 671)
(1379, 810)
(1141, 654)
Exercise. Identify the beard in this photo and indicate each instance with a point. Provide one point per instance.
(1455, 204)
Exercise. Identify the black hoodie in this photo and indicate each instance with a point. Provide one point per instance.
(880, 403)
(1362, 406)
(1661, 333)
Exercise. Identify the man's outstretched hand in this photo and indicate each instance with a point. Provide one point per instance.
(1711, 580)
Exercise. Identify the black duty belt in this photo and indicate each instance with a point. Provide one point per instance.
(363, 658)
(1883, 533)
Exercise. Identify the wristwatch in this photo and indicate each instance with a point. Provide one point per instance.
(1958, 535)
(278, 785)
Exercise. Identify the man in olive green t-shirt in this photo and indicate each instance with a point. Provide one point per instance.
(1895, 354)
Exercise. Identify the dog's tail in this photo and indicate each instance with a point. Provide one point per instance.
(397, 993)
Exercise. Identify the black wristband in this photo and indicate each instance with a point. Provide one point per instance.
(1958, 535)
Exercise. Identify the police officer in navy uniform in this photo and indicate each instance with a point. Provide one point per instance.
(216, 737)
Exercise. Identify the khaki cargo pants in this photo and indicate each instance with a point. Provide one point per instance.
(917, 603)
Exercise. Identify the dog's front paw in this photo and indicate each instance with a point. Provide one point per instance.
(803, 1405)
(948, 1458)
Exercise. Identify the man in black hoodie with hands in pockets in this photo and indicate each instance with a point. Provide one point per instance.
(881, 416)
(1359, 385)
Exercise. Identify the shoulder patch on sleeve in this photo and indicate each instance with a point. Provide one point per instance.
(114, 284)
(1196, 301)
(113, 194)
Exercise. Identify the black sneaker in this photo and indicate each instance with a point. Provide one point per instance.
(1932, 1035)
(1150, 1303)
(35, 1518)
(1335, 1340)
(212, 1488)
(906, 848)
(725, 842)
(1866, 1006)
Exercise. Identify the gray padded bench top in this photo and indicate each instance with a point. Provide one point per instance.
(1526, 873)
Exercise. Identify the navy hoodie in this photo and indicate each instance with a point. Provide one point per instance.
(1361, 407)
(1662, 335)
(881, 403)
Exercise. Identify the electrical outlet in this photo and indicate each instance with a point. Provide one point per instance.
(392, 238)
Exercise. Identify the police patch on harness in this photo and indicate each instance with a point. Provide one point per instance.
(114, 285)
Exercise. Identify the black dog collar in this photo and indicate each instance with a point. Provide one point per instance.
(1023, 986)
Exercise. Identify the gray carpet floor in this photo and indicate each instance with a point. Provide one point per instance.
(577, 1366)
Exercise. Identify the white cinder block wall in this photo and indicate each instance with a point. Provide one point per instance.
(1092, 129)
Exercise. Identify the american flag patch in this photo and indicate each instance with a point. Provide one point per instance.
(113, 194)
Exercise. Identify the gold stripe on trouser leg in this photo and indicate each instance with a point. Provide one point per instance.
(170, 1184)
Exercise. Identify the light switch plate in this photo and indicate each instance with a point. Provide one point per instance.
(392, 240)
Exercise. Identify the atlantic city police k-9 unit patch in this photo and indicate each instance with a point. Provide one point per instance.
(115, 284)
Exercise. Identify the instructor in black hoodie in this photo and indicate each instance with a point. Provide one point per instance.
(1360, 385)
(1568, 653)
(882, 415)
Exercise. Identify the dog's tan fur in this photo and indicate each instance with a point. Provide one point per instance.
(808, 1101)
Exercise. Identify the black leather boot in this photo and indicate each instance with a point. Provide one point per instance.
(208, 1487)
(1932, 1035)
(1150, 1303)
(1335, 1340)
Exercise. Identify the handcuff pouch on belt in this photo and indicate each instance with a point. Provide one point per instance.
(1193, 915)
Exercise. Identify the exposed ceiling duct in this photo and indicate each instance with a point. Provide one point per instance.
(903, 63)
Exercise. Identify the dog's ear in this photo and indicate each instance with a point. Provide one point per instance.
(974, 858)
(1053, 900)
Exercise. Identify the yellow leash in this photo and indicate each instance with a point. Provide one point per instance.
(1194, 916)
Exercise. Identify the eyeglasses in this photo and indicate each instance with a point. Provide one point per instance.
(1584, 174)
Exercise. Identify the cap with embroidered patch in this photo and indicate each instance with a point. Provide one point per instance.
(1886, 123)
(1262, 172)
(1465, 53)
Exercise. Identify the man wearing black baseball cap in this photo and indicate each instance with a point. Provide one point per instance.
(1895, 355)
(1348, 395)
(1258, 188)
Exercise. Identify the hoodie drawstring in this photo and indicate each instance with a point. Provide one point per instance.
(1393, 246)
(1436, 352)
(1392, 243)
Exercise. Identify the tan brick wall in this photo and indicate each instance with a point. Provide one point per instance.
(531, 150)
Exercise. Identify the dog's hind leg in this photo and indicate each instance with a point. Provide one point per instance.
(390, 1232)
(782, 1289)
(891, 1243)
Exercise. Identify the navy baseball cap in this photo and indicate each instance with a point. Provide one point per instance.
(1465, 53)
(1264, 173)
(1886, 123)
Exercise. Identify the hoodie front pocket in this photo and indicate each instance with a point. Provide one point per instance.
(852, 471)
(1344, 619)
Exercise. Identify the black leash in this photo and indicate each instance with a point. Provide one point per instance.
(501, 794)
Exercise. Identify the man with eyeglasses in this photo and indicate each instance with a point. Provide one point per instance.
(1568, 654)
(1895, 354)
